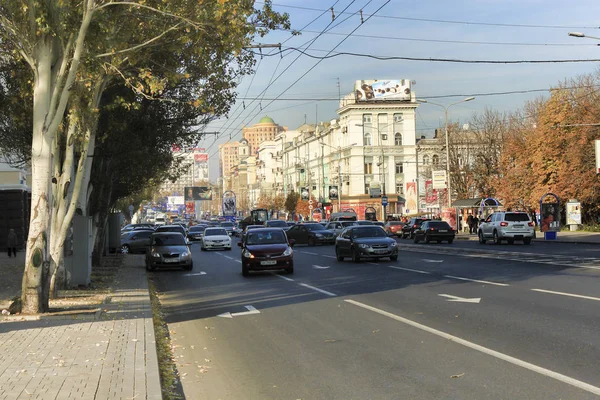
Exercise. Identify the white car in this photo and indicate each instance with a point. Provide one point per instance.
(215, 238)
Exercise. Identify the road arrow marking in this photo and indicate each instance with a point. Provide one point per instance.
(320, 267)
(251, 310)
(196, 274)
(461, 299)
(432, 261)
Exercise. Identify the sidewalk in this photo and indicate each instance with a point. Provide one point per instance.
(580, 237)
(108, 355)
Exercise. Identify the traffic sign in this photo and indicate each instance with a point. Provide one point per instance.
(384, 200)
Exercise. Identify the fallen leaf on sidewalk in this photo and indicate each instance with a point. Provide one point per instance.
(457, 376)
(376, 330)
(330, 340)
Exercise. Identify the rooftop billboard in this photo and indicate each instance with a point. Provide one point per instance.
(386, 89)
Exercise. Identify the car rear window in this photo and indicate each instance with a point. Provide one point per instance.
(281, 224)
(439, 225)
(516, 217)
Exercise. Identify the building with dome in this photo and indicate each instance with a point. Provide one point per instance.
(265, 130)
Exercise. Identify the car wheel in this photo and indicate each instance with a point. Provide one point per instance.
(481, 239)
(527, 241)
(290, 270)
(228, 249)
(496, 238)
(125, 249)
(355, 256)
(338, 256)
(202, 248)
(427, 239)
(415, 239)
(311, 242)
(245, 270)
(394, 258)
(511, 241)
(189, 267)
(450, 241)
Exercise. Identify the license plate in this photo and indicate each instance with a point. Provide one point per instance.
(380, 251)
(171, 260)
(269, 262)
(443, 230)
(517, 226)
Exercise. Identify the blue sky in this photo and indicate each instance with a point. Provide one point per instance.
(428, 39)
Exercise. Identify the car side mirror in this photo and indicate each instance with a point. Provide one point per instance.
(239, 244)
(292, 242)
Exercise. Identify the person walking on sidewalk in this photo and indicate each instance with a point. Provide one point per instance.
(12, 242)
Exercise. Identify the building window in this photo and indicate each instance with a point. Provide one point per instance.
(460, 160)
(398, 118)
(367, 139)
(367, 119)
(367, 188)
(399, 188)
(425, 159)
(399, 168)
(435, 160)
(398, 139)
(369, 168)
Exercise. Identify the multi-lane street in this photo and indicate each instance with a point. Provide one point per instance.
(460, 321)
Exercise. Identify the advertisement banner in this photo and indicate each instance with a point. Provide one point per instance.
(550, 217)
(411, 197)
(439, 179)
(431, 195)
(387, 89)
(200, 167)
(304, 194)
(197, 193)
(189, 207)
(229, 204)
(333, 193)
(573, 213)
(449, 215)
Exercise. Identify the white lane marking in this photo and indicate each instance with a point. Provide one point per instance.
(373, 263)
(320, 267)
(411, 270)
(330, 256)
(318, 290)
(238, 261)
(196, 274)
(231, 258)
(284, 277)
(312, 254)
(505, 357)
(579, 296)
(461, 299)
(251, 310)
(476, 280)
(432, 261)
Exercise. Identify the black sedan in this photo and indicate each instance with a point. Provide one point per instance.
(434, 230)
(267, 249)
(195, 233)
(365, 242)
(311, 233)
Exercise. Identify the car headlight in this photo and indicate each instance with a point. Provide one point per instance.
(363, 246)
(185, 254)
(393, 244)
(247, 254)
(288, 252)
(155, 254)
(318, 235)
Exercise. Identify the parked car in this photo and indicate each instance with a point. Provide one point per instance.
(172, 228)
(291, 223)
(135, 241)
(409, 228)
(215, 238)
(131, 227)
(434, 230)
(394, 228)
(195, 232)
(338, 226)
(267, 249)
(311, 233)
(365, 242)
(277, 223)
(507, 225)
(168, 249)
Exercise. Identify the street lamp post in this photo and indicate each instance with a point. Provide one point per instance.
(582, 35)
(339, 150)
(448, 184)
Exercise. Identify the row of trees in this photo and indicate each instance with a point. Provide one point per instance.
(95, 93)
(546, 146)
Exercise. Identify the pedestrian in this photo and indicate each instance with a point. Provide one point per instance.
(475, 224)
(12, 242)
(470, 223)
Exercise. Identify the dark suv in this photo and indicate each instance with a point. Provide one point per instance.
(408, 230)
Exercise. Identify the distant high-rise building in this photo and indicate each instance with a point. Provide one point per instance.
(266, 129)
(229, 157)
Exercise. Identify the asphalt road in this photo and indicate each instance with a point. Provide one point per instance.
(460, 321)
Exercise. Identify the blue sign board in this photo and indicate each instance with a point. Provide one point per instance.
(384, 201)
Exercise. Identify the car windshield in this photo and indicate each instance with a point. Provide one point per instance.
(395, 223)
(315, 227)
(277, 224)
(169, 229)
(373, 231)
(168, 240)
(516, 217)
(227, 224)
(215, 232)
(268, 237)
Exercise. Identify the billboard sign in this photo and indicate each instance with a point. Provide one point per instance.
(573, 213)
(175, 200)
(200, 168)
(333, 192)
(304, 194)
(550, 217)
(229, 203)
(197, 193)
(439, 179)
(597, 147)
(386, 89)
(189, 207)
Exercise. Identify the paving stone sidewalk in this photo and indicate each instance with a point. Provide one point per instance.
(107, 356)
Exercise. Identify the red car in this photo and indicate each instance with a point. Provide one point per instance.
(266, 249)
(394, 228)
